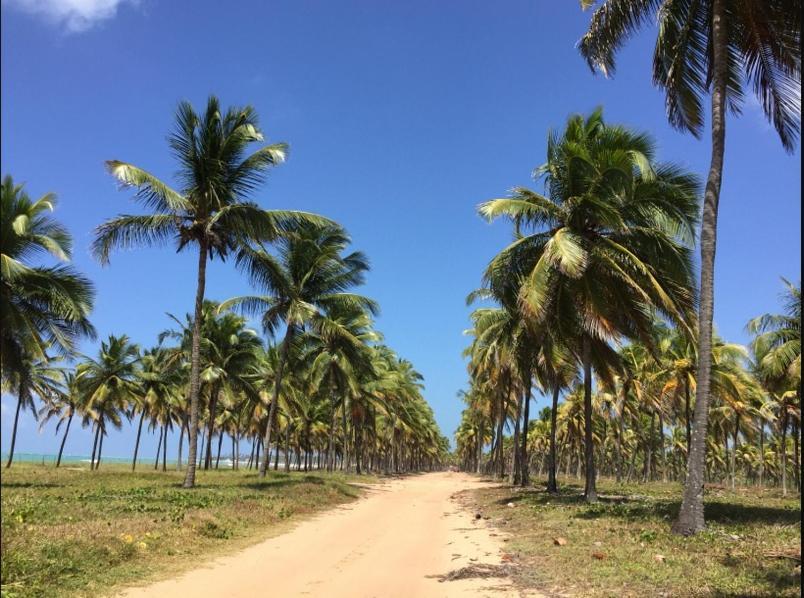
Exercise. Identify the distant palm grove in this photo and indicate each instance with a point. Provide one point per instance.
(315, 384)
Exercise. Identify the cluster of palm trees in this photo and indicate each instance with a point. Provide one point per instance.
(595, 298)
(642, 418)
(709, 48)
(329, 394)
(347, 404)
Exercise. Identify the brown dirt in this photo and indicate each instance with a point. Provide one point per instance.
(408, 538)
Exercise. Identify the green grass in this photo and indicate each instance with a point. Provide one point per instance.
(612, 546)
(72, 532)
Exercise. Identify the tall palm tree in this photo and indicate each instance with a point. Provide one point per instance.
(703, 47)
(209, 210)
(42, 308)
(29, 379)
(609, 247)
(304, 284)
(108, 384)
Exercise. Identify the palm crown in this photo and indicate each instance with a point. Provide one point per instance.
(611, 239)
(216, 175)
(763, 49)
(41, 307)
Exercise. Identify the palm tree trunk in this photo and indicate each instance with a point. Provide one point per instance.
(358, 446)
(195, 365)
(283, 356)
(276, 452)
(646, 474)
(164, 448)
(590, 491)
(203, 440)
(94, 447)
(251, 456)
(761, 451)
(618, 438)
(687, 413)
(64, 438)
(159, 447)
(552, 485)
(137, 442)
(331, 439)
(691, 515)
(734, 451)
(784, 451)
(14, 429)
(796, 468)
(513, 475)
(524, 461)
(479, 448)
(100, 446)
(661, 447)
(501, 422)
(213, 405)
(220, 446)
(287, 449)
(181, 443)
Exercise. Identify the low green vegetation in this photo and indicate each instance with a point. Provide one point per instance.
(623, 546)
(76, 532)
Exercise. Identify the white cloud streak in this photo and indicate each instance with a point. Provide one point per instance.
(74, 16)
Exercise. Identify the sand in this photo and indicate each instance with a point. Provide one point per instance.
(398, 541)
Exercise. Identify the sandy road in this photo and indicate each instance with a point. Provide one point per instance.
(393, 543)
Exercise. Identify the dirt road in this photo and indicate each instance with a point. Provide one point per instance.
(396, 542)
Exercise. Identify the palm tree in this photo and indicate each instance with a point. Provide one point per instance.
(777, 347)
(108, 385)
(229, 357)
(31, 378)
(778, 336)
(63, 406)
(159, 384)
(304, 284)
(493, 365)
(709, 46)
(209, 210)
(337, 361)
(41, 307)
(610, 246)
(558, 373)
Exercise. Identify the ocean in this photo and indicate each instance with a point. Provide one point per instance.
(49, 459)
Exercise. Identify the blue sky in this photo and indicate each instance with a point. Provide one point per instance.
(401, 118)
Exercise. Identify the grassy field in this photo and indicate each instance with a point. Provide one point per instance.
(72, 532)
(623, 545)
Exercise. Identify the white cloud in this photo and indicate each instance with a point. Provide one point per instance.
(74, 15)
